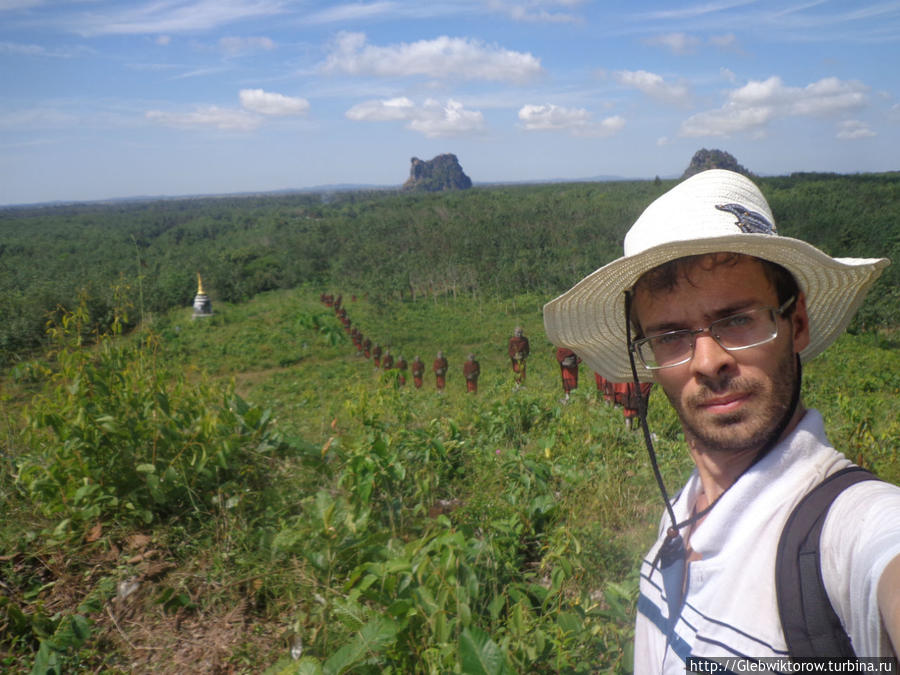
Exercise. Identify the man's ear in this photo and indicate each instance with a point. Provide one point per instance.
(800, 324)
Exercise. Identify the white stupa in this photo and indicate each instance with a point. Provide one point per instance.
(202, 304)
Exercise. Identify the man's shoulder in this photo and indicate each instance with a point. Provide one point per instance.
(869, 503)
(860, 536)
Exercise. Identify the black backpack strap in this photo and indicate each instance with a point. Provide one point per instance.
(811, 626)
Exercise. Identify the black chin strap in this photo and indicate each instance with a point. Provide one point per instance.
(642, 411)
(675, 526)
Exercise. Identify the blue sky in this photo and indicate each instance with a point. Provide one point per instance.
(104, 99)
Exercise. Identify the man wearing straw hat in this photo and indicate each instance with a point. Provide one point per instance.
(710, 303)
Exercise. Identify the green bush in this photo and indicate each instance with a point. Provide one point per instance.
(121, 434)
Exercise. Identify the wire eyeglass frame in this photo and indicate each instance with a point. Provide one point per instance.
(649, 361)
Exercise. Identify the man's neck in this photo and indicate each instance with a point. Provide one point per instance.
(719, 469)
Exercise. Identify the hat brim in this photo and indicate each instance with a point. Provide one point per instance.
(590, 317)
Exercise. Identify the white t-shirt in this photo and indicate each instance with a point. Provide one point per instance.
(730, 606)
(853, 558)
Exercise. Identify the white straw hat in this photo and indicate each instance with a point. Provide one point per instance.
(709, 212)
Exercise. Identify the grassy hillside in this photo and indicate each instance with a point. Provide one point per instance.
(245, 494)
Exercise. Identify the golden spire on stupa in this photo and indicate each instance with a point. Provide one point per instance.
(200, 290)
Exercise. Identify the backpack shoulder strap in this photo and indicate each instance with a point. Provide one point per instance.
(811, 626)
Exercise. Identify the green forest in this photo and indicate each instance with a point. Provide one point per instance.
(244, 493)
(490, 242)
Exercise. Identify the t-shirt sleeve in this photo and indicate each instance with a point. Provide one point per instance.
(860, 537)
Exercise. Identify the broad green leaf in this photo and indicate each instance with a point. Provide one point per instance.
(496, 606)
(371, 638)
(307, 666)
(569, 622)
(426, 600)
(465, 613)
(478, 654)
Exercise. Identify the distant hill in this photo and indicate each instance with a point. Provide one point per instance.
(435, 175)
(714, 159)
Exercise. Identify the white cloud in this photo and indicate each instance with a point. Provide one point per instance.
(352, 12)
(383, 111)
(153, 67)
(726, 121)
(256, 105)
(443, 57)
(172, 16)
(36, 118)
(828, 95)
(163, 40)
(200, 72)
(751, 107)
(19, 49)
(872, 11)
(723, 41)
(536, 11)
(542, 16)
(268, 103)
(695, 11)
(550, 117)
(609, 126)
(237, 45)
(450, 119)
(207, 116)
(654, 86)
(433, 118)
(577, 121)
(853, 130)
(678, 43)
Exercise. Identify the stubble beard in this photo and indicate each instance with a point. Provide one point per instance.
(752, 428)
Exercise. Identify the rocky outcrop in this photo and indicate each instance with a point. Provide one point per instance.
(441, 173)
(714, 159)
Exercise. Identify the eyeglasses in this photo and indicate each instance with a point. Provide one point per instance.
(733, 333)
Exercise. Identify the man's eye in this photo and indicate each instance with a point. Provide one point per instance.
(738, 321)
(669, 339)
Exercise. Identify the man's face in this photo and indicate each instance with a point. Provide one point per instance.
(727, 401)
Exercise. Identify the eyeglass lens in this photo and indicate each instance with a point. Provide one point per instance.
(738, 331)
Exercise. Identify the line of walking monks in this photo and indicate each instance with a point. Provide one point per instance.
(624, 394)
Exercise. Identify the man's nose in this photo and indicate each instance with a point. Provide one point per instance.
(710, 358)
